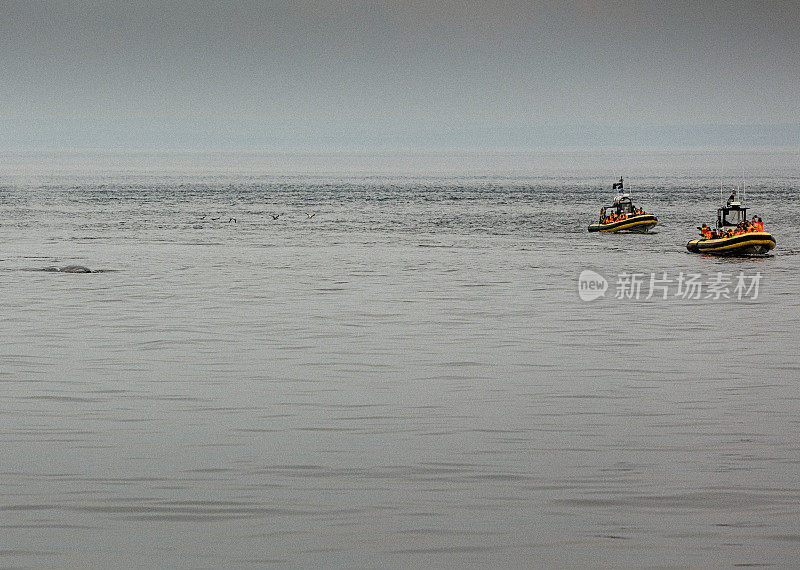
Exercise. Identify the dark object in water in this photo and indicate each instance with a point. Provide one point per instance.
(75, 269)
(68, 269)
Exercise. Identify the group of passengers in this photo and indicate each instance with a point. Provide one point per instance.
(618, 216)
(754, 225)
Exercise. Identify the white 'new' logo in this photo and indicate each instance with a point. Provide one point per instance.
(591, 285)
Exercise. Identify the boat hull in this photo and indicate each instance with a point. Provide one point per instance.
(637, 224)
(752, 243)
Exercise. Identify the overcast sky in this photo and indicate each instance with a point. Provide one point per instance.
(402, 72)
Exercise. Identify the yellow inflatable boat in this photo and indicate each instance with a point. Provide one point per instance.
(637, 223)
(742, 244)
(734, 234)
(622, 215)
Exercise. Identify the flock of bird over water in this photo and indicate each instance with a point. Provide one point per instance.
(734, 233)
(232, 220)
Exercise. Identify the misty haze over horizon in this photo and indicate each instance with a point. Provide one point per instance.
(399, 74)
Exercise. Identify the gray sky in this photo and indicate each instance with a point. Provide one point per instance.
(405, 73)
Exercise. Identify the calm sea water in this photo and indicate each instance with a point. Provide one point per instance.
(407, 378)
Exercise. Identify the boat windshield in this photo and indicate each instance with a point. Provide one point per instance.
(624, 207)
(731, 216)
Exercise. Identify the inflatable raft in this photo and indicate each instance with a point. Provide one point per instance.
(622, 215)
(742, 244)
(636, 223)
(734, 234)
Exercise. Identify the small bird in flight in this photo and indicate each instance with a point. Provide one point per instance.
(309, 216)
(275, 216)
